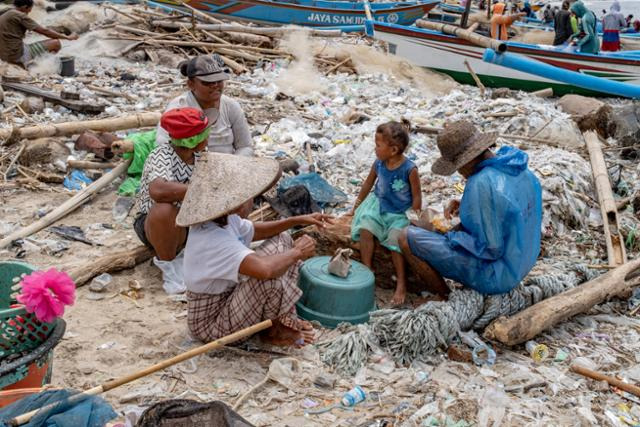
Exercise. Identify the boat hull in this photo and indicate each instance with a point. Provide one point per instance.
(310, 13)
(447, 54)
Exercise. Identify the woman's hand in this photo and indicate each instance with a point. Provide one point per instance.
(452, 209)
(306, 246)
(318, 219)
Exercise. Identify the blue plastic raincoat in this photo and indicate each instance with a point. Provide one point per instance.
(589, 43)
(501, 216)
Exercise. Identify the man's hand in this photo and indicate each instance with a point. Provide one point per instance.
(452, 209)
(318, 219)
(306, 245)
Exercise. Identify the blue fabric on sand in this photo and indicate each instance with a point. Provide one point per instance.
(384, 226)
(393, 188)
(501, 216)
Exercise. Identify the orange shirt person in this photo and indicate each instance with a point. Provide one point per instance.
(500, 23)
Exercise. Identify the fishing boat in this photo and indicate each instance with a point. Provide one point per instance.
(447, 54)
(314, 13)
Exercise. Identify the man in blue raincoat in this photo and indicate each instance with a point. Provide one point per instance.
(498, 239)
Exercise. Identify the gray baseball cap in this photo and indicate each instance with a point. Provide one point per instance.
(208, 68)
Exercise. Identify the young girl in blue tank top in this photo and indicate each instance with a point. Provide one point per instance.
(382, 214)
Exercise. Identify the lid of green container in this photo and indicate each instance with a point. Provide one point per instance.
(316, 269)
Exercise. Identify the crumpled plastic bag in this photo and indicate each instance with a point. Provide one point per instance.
(340, 262)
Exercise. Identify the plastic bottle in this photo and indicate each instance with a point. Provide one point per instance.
(354, 396)
(538, 352)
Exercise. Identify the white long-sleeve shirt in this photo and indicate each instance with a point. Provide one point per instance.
(230, 132)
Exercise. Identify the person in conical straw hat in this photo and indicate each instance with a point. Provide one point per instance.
(229, 285)
(498, 239)
(164, 183)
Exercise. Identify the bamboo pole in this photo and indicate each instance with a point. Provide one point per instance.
(105, 91)
(616, 252)
(539, 317)
(265, 31)
(475, 77)
(130, 121)
(83, 164)
(110, 385)
(477, 39)
(629, 388)
(67, 207)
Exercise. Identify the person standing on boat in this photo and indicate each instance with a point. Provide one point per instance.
(14, 24)
(500, 22)
(562, 25)
(206, 75)
(588, 39)
(612, 23)
(547, 15)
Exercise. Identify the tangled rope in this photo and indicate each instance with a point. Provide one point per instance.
(410, 335)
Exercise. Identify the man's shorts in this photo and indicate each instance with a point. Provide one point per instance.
(32, 51)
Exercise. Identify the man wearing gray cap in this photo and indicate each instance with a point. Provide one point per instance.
(205, 78)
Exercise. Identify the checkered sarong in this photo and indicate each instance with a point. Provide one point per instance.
(249, 302)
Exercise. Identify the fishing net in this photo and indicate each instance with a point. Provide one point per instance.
(68, 409)
(185, 412)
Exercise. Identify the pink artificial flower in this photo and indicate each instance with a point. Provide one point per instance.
(45, 293)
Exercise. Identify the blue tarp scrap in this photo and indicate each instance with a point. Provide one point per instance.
(321, 191)
(91, 411)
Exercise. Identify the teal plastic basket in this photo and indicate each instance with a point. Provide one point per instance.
(19, 331)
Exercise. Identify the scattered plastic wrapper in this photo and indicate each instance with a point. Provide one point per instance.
(76, 180)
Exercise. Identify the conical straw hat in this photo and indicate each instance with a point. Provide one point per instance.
(221, 183)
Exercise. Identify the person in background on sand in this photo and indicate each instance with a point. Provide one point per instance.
(587, 41)
(382, 214)
(628, 20)
(562, 25)
(229, 285)
(164, 183)
(526, 9)
(14, 24)
(206, 75)
(547, 15)
(498, 239)
(612, 23)
(574, 24)
(500, 22)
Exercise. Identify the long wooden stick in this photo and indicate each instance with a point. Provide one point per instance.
(67, 207)
(265, 31)
(530, 322)
(475, 77)
(629, 388)
(130, 121)
(110, 385)
(84, 164)
(616, 252)
(109, 263)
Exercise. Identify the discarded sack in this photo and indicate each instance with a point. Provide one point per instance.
(293, 201)
(185, 412)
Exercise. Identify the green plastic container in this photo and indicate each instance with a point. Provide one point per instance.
(332, 300)
(19, 331)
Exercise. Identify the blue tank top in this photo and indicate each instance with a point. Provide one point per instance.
(393, 188)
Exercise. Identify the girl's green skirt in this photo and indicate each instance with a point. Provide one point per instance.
(386, 227)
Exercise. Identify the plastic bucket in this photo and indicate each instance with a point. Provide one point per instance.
(67, 66)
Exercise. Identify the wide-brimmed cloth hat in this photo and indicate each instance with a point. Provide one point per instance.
(221, 183)
(459, 143)
(187, 127)
(208, 68)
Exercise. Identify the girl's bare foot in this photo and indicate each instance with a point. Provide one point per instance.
(399, 297)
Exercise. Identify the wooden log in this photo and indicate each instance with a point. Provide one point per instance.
(122, 146)
(547, 313)
(477, 39)
(265, 31)
(67, 207)
(80, 106)
(231, 51)
(616, 252)
(109, 263)
(109, 92)
(598, 376)
(83, 164)
(130, 121)
(543, 93)
(246, 38)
